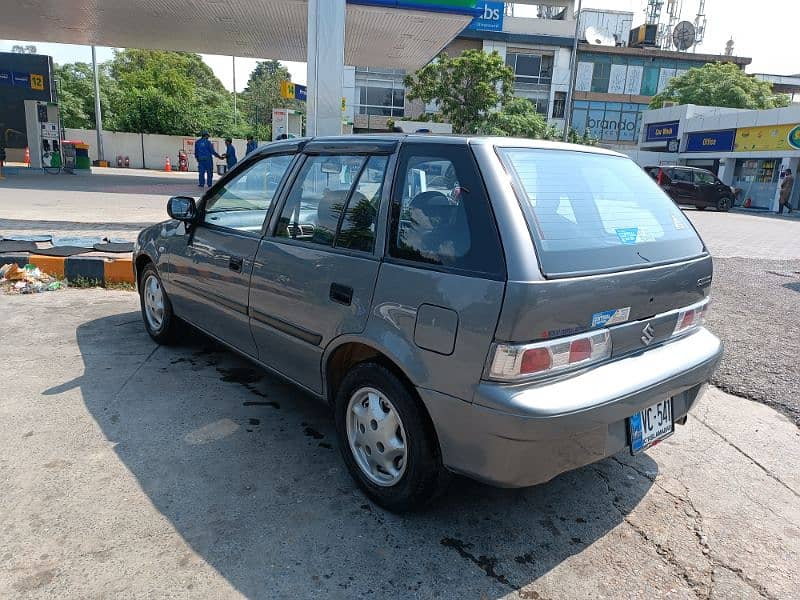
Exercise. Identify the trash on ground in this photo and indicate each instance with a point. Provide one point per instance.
(27, 280)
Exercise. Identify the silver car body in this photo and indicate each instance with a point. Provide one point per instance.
(279, 302)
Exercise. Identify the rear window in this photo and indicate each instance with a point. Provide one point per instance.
(590, 212)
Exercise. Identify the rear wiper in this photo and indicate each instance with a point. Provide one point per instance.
(642, 257)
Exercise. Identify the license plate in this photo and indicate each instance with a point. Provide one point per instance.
(651, 425)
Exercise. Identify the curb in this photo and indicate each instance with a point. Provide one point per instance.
(102, 268)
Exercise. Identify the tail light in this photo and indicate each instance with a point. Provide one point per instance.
(517, 362)
(691, 317)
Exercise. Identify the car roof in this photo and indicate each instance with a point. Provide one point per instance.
(382, 141)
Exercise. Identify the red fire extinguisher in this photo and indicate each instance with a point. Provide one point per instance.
(183, 161)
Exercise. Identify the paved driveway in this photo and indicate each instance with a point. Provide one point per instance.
(131, 470)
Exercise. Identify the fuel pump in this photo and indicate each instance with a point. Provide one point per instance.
(44, 134)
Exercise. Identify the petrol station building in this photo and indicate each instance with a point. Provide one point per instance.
(747, 149)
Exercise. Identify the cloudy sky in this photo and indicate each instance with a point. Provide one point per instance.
(765, 31)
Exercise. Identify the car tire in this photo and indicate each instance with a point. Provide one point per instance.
(159, 320)
(397, 479)
(724, 204)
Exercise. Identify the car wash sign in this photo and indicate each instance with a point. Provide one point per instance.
(661, 132)
(490, 16)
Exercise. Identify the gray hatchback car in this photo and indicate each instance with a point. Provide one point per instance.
(504, 309)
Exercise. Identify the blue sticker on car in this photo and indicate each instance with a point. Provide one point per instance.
(628, 235)
(611, 317)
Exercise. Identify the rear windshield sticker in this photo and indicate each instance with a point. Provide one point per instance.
(678, 223)
(628, 235)
(611, 317)
(645, 236)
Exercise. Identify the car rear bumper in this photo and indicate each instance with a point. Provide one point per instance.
(521, 435)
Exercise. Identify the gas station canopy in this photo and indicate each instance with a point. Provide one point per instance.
(400, 34)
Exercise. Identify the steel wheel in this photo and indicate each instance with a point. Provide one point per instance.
(376, 436)
(153, 302)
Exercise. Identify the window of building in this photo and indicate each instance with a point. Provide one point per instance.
(601, 77)
(559, 105)
(650, 81)
(380, 92)
(531, 68)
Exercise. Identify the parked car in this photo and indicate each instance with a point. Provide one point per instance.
(694, 187)
(537, 308)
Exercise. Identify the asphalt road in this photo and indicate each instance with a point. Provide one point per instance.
(137, 471)
(756, 305)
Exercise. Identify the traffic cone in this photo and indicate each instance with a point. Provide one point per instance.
(168, 166)
(27, 156)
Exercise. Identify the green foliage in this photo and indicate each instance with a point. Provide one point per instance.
(518, 119)
(262, 94)
(173, 93)
(466, 88)
(720, 84)
(76, 94)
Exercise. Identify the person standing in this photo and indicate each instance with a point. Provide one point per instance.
(252, 144)
(230, 154)
(204, 153)
(786, 191)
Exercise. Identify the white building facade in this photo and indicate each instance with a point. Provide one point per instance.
(747, 149)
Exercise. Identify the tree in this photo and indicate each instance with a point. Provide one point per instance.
(262, 94)
(75, 83)
(466, 89)
(172, 93)
(720, 84)
(518, 118)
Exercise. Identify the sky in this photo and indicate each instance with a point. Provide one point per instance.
(757, 33)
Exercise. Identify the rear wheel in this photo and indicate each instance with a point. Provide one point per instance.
(387, 440)
(724, 204)
(159, 320)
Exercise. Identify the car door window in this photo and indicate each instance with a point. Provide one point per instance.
(357, 231)
(318, 197)
(702, 178)
(441, 214)
(681, 176)
(243, 201)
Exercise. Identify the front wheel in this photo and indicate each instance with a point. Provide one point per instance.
(724, 204)
(387, 440)
(159, 320)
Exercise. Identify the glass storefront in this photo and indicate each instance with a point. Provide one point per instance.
(758, 180)
(380, 92)
(608, 121)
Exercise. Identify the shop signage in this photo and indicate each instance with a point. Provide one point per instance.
(20, 79)
(768, 138)
(657, 132)
(490, 16)
(452, 6)
(5, 78)
(711, 141)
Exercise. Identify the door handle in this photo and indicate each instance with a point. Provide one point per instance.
(235, 263)
(341, 294)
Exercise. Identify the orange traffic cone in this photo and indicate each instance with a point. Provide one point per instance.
(168, 166)
(27, 156)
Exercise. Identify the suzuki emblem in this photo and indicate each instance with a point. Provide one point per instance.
(647, 334)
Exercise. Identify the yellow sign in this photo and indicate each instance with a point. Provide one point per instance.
(344, 104)
(766, 138)
(37, 82)
(287, 90)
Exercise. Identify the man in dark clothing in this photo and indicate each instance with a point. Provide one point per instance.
(252, 144)
(786, 192)
(230, 153)
(204, 153)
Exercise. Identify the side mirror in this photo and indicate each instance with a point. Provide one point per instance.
(182, 208)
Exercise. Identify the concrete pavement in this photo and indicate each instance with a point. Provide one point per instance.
(134, 470)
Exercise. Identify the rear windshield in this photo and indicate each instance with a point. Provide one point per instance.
(590, 212)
